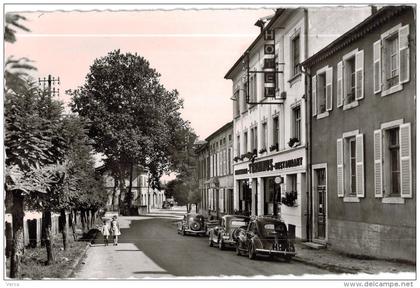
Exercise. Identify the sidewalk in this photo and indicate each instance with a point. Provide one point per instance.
(339, 263)
(124, 261)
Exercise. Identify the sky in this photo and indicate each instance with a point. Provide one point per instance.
(191, 49)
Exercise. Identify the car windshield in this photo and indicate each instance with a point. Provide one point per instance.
(271, 229)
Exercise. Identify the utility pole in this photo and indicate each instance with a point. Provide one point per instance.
(50, 83)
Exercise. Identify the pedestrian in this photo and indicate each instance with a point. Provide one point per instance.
(105, 232)
(115, 229)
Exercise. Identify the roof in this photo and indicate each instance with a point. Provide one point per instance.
(221, 129)
(357, 32)
(268, 26)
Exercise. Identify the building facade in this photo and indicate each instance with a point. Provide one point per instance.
(143, 194)
(362, 138)
(269, 110)
(215, 172)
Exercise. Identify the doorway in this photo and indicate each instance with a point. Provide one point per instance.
(319, 198)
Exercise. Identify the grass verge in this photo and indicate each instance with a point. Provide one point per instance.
(33, 261)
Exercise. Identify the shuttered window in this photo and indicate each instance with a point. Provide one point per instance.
(340, 172)
(392, 166)
(391, 60)
(340, 84)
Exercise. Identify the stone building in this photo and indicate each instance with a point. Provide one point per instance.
(215, 172)
(362, 121)
(269, 110)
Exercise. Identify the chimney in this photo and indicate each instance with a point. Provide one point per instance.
(373, 9)
(260, 23)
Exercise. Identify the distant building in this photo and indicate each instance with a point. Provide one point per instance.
(269, 110)
(362, 91)
(215, 172)
(143, 194)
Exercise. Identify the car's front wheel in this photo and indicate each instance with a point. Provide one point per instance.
(251, 252)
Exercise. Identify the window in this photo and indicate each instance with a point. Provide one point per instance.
(295, 55)
(254, 139)
(238, 145)
(296, 123)
(391, 60)
(276, 130)
(350, 167)
(322, 92)
(245, 98)
(236, 101)
(245, 142)
(393, 159)
(264, 136)
(349, 80)
(392, 167)
(253, 88)
(230, 137)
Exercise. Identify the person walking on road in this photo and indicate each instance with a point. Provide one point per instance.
(105, 232)
(115, 229)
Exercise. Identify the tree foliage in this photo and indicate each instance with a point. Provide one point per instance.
(133, 118)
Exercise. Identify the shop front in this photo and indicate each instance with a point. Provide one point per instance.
(257, 191)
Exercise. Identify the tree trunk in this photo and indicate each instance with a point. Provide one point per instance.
(48, 236)
(114, 193)
(64, 227)
(18, 240)
(122, 191)
(82, 219)
(72, 221)
(129, 197)
(196, 208)
(87, 219)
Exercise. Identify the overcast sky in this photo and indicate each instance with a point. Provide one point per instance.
(192, 50)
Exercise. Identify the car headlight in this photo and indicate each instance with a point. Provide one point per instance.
(225, 237)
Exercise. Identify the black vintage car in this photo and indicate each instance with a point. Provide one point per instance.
(192, 224)
(265, 236)
(225, 234)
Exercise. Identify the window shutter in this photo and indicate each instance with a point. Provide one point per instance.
(328, 78)
(377, 139)
(314, 112)
(377, 67)
(359, 75)
(340, 168)
(340, 84)
(404, 54)
(360, 171)
(405, 160)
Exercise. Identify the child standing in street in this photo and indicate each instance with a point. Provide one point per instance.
(115, 229)
(105, 232)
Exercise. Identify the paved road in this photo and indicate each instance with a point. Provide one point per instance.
(178, 255)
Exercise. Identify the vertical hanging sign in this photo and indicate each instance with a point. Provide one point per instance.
(269, 64)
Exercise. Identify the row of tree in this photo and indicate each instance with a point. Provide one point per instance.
(49, 164)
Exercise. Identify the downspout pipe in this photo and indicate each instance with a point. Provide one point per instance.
(308, 136)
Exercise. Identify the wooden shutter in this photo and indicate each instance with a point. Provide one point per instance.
(340, 84)
(404, 54)
(340, 168)
(377, 67)
(360, 169)
(405, 160)
(314, 112)
(359, 75)
(377, 154)
(328, 79)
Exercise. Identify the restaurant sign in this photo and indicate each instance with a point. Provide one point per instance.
(267, 165)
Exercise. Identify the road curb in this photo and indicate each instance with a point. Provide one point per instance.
(329, 267)
(77, 262)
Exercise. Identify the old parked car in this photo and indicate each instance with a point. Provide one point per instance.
(193, 224)
(225, 234)
(265, 236)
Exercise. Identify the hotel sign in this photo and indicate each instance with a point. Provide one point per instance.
(269, 64)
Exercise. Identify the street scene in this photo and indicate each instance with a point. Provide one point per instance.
(231, 143)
